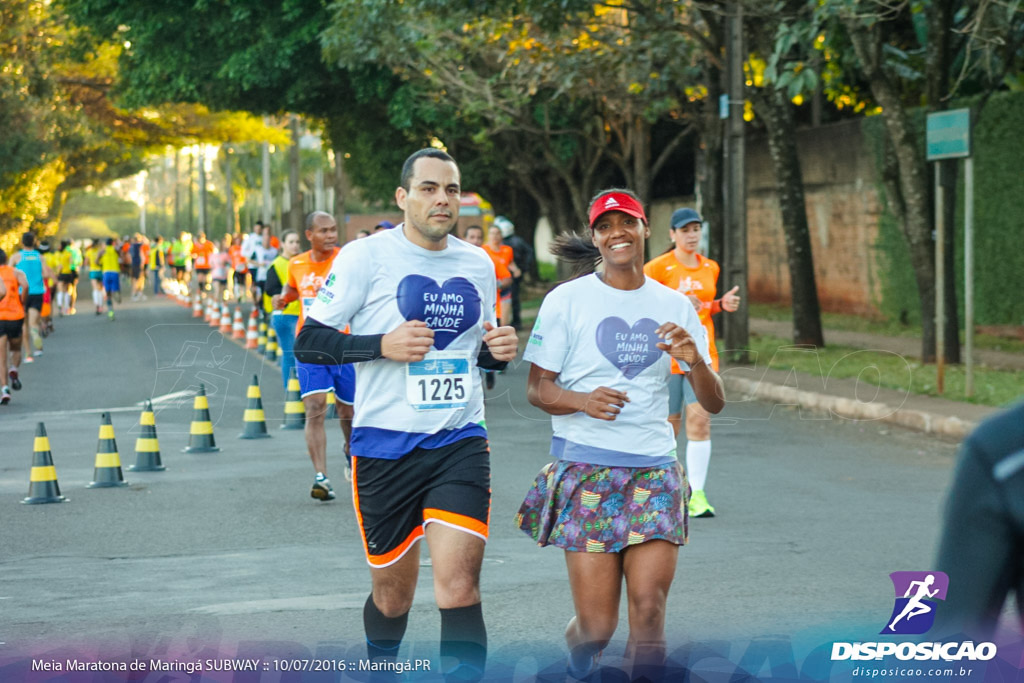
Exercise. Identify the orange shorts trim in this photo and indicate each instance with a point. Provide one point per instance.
(457, 521)
(387, 559)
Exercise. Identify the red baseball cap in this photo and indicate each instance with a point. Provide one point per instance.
(616, 201)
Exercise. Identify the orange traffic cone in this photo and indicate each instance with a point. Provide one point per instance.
(200, 438)
(197, 307)
(147, 447)
(225, 319)
(42, 481)
(251, 333)
(294, 410)
(237, 326)
(107, 472)
(255, 424)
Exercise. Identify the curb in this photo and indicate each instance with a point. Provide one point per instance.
(946, 427)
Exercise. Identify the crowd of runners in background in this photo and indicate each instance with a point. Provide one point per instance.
(40, 281)
(233, 268)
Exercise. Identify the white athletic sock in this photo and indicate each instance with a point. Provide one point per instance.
(698, 457)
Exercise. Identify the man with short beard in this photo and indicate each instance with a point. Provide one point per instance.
(421, 311)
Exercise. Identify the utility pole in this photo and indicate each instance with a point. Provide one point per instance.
(267, 208)
(229, 191)
(737, 327)
(191, 195)
(142, 204)
(202, 187)
(294, 195)
(177, 193)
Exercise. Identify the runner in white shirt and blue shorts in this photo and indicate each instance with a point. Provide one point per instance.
(615, 497)
(421, 310)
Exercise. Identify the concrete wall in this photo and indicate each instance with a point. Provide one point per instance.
(842, 213)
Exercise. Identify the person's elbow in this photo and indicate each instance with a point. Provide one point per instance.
(715, 403)
(533, 395)
(713, 400)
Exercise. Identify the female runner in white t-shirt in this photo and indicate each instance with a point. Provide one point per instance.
(615, 497)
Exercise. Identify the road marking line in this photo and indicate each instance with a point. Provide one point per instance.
(168, 398)
(158, 401)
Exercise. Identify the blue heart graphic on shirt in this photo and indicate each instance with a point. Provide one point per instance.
(631, 349)
(449, 309)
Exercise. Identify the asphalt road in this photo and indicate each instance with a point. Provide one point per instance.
(224, 555)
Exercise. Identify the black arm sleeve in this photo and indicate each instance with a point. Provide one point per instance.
(485, 360)
(321, 344)
(273, 285)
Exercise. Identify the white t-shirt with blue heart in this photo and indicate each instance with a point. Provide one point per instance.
(594, 335)
(380, 282)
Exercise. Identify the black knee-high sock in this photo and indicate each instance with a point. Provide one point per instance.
(383, 633)
(464, 637)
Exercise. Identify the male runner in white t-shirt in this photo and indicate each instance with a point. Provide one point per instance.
(421, 308)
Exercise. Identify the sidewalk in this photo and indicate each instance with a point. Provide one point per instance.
(851, 399)
(904, 346)
(855, 400)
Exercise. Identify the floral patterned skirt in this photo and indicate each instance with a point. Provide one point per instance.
(590, 508)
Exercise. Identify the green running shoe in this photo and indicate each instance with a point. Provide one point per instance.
(699, 506)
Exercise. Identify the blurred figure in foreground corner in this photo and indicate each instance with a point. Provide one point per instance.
(982, 544)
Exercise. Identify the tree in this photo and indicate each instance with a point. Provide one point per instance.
(69, 132)
(773, 102)
(258, 57)
(569, 105)
(904, 54)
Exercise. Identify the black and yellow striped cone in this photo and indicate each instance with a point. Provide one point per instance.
(270, 352)
(255, 424)
(147, 447)
(42, 481)
(200, 436)
(261, 338)
(332, 406)
(108, 463)
(294, 411)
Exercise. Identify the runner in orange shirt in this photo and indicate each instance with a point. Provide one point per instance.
(475, 236)
(686, 271)
(202, 250)
(503, 309)
(502, 253)
(240, 266)
(13, 297)
(306, 274)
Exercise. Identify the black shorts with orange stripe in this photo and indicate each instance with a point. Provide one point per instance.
(396, 499)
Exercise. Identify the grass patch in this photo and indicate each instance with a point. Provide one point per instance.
(857, 323)
(548, 271)
(991, 387)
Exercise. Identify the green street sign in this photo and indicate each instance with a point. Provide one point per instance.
(948, 134)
